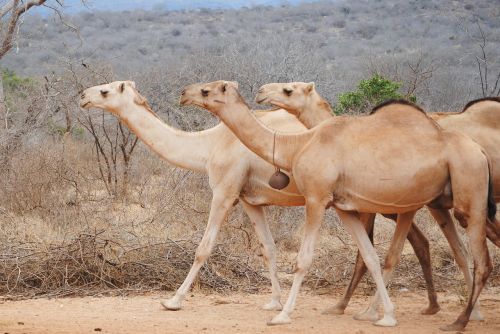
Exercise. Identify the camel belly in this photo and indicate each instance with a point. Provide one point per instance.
(392, 188)
(257, 192)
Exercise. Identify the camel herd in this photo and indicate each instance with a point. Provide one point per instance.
(393, 162)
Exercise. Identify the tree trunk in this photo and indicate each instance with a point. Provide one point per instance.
(3, 107)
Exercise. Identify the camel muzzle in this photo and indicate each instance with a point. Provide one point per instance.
(83, 105)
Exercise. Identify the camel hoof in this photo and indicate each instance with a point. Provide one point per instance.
(454, 327)
(367, 315)
(280, 319)
(334, 310)
(476, 315)
(274, 305)
(386, 321)
(171, 305)
(431, 309)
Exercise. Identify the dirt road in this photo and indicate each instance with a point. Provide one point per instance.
(235, 313)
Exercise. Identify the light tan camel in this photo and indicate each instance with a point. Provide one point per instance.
(355, 165)
(234, 171)
(218, 152)
(481, 122)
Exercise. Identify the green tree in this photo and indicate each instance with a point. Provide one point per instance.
(369, 93)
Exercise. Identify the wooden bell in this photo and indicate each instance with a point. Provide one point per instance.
(279, 180)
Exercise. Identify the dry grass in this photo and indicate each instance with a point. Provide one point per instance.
(63, 235)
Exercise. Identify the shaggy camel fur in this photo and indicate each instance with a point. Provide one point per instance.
(481, 122)
(363, 170)
(234, 172)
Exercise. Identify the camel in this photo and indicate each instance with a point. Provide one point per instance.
(359, 172)
(234, 173)
(481, 122)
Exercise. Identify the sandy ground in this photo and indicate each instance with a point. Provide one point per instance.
(235, 313)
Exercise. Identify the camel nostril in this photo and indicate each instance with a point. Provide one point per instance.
(82, 96)
(261, 90)
(183, 92)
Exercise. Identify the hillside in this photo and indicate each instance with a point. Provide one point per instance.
(333, 43)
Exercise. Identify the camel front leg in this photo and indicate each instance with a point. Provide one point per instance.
(315, 211)
(258, 218)
(221, 203)
(403, 224)
(447, 226)
(359, 269)
(358, 232)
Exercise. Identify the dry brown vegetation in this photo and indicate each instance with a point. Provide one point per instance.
(84, 210)
(64, 233)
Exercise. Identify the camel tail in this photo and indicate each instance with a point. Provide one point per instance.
(492, 225)
(492, 205)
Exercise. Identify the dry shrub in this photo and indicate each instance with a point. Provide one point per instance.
(88, 263)
(63, 235)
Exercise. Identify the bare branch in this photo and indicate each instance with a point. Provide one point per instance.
(17, 11)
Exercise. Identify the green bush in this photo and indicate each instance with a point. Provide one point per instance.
(14, 87)
(13, 82)
(369, 93)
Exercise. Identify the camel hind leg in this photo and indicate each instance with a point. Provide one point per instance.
(420, 245)
(493, 231)
(470, 184)
(258, 218)
(476, 232)
(447, 226)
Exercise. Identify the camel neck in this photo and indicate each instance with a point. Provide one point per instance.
(274, 147)
(316, 113)
(189, 150)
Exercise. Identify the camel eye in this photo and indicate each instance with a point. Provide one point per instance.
(104, 92)
(205, 92)
(287, 91)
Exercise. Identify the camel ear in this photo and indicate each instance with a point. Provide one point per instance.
(122, 87)
(130, 83)
(139, 99)
(228, 84)
(310, 87)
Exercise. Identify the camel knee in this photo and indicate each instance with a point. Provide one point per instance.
(425, 244)
(202, 253)
(390, 262)
(372, 262)
(303, 264)
(481, 273)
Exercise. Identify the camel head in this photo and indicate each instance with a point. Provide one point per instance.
(211, 95)
(293, 96)
(111, 97)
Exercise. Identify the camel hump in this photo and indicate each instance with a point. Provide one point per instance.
(402, 111)
(391, 102)
(472, 103)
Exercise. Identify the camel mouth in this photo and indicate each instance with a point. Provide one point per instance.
(184, 101)
(83, 105)
(262, 99)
